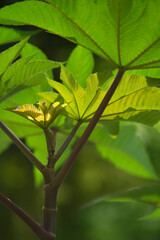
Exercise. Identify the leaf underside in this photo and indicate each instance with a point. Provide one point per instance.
(114, 30)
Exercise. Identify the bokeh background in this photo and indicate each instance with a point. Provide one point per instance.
(91, 177)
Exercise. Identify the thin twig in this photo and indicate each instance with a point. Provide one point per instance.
(67, 141)
(36, 228)
(58, 180)
(23, 148)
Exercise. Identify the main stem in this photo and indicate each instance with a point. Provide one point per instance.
(49, 209)
(56, 183)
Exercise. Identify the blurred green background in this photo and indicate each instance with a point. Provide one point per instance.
(90, 177)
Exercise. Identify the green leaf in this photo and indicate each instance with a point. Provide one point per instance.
(42, 117)
(126, 152)
(9, 55)
(20, 126)
(25, 129)
(31, 50)
(115, 30)
(52, 18)
(24, 76)
(48, 96)
(136, 98)
(151, 139)
(12, 69)
(153, 216)
(146, 194)
(81, 64)
(9, 35)
(78, 98)
(112, 127)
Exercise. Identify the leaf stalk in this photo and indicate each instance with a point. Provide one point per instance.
(68, 140)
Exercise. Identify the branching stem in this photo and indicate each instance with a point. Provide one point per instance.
(52, 182)
(58, 180)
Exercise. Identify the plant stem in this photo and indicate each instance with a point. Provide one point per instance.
(67, 141)
(36, 228)
(58, 180)
(49, 209)
(51, 144)
(23, 148)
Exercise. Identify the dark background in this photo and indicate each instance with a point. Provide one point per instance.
(90, 177)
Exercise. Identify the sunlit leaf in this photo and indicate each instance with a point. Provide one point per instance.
(115, 30)
(19, 125)
(80, 63)
(31, 50)
(136, 98)
(74, 94)
(49, 96)
(9, 55)
(22, 73)
(42, 117)
(20, 76)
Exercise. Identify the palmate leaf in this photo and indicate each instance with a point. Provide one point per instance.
(114, 30)
(77, 97)
(133, 100)
(19, 125)
(42, 117)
